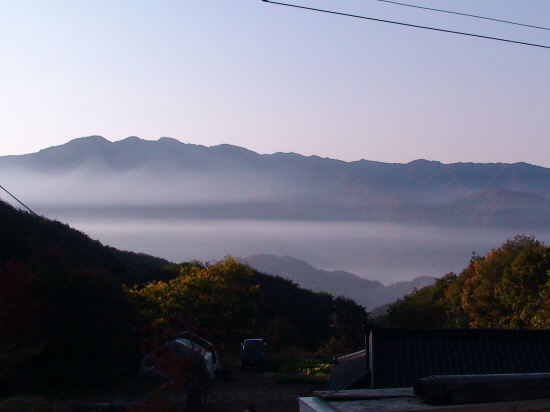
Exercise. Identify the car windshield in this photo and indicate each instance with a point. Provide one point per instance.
(253, 344)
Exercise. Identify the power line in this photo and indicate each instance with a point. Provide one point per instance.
(23, 204)
(408, 24)
(58, 232)
(464, 14)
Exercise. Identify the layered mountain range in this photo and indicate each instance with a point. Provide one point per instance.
(168, 178)
(388, 222)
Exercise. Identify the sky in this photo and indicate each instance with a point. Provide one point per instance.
(273, 78)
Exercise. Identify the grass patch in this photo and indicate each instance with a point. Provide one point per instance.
(305, 370)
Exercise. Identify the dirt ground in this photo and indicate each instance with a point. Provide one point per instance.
(257, 389)
(246, 390)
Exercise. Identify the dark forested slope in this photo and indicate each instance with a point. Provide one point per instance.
(43, 242)
(67, 319)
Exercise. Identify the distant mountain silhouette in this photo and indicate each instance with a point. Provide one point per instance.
(390, 221)
(134, 177)
(494, 208)
(368, 293)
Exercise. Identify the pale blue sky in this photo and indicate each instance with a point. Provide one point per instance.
(276, 79)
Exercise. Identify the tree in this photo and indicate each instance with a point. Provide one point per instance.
(347, 322)
(22, 329)
(507, 288)
(422, 308)
(216, 297)
(89, 327)
(64, 326)
(228, 301)
(290, 316)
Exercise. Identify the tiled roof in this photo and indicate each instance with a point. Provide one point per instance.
(399, 356)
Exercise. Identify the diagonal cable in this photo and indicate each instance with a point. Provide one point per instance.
(464, 14)
(23, 204)
(408, 24)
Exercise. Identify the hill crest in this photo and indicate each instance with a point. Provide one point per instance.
(369, 293)
(286, 185)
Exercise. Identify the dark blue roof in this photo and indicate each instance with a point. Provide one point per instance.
(400, 356)
(396, 357)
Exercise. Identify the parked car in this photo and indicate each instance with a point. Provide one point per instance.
(253, 353)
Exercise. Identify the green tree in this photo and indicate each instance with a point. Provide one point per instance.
(347, 322)
(304, 316)
(422, 308)
(217, 297)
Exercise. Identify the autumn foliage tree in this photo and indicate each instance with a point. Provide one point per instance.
(216, 299)
(507, 288)
(62, 326)
(228, 301)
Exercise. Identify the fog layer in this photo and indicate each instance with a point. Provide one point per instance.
(384, 252)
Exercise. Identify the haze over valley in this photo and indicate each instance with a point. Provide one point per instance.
(385, 222)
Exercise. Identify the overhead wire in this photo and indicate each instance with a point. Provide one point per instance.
(42, 218)
(22, 204)
(407, 24)
(464, 14)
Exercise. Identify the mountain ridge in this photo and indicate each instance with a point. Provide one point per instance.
(292, 186)
(366, 292)
(380, 220)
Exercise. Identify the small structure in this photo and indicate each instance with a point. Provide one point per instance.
(383, 375)
(189, 362)
(198, 351)
(396, 357)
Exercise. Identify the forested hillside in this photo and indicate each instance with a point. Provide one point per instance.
(74, 312)
(507, 288)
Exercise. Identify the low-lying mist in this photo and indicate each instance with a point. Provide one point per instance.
(206, 215)
(384, 252)
(90, 187)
